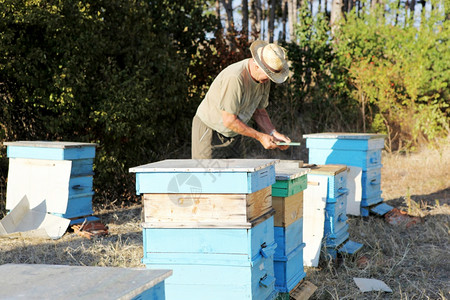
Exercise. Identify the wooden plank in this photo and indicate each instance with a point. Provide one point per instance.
(65, 282)
(289, 169)
(49, 144)
(205, 182)
(205, 165)
(303, 291)
(326, 169)
(288, 209)
(209, 224)
(345, 135)
(207, 208)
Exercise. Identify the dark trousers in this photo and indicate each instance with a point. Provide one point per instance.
(208, 143)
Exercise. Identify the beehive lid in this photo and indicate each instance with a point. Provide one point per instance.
(288, 170)
(327, 169)
(205, 165)
(345, 135)
(48, 144)
(31, 281)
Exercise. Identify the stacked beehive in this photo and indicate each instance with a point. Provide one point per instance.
(353, 149)
(211, 222)
(287, 199)
(58, 174)
(335, 236)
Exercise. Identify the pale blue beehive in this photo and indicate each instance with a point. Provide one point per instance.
(336, 235)
(58, 173)
(215, 253)
(361, 150)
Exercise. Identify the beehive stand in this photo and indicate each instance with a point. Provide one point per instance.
(211, 222)
(29, 281)
(353, 149)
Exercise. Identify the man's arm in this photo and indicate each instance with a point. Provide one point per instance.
(232, 122)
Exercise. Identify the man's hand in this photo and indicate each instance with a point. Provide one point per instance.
(279, 137)
(268, 141)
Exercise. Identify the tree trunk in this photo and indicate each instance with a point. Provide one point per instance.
(227, 4)
(255, 17)
(217, 12)
(336, 15)
(245, 18)
(272, 8)
(284, 14)
(292, 11)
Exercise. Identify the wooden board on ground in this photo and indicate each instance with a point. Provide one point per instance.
(303, 291)
(207, 208)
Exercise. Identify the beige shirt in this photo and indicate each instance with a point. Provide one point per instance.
(235, 92)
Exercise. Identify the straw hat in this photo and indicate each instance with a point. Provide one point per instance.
(271, 58)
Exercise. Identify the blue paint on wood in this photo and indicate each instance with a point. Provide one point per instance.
(371, 183)
(205, 182)
(80, 185)
(244, 243)
(371, 201)
(381, 209)
(337, 238)
(362, 159)
(155, 293)
(51, 153)
(345, 144)
(191, 281)
(77, 207)
(82, 167)
(289, 270)
(350, 247)
(334, 222)
(288, 238)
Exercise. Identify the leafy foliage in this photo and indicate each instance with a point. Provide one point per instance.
(399, 74)
(314, 97)
(110, 72)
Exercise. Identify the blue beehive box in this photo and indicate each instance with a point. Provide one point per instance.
(203, 176)
(214, 263)
(60, 173)
(361, 150)
(288, 258)
(210, 221)
(335, 226)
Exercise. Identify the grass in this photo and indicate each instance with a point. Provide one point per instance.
(413, 261)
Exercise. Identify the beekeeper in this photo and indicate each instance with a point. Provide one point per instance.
(239, 93)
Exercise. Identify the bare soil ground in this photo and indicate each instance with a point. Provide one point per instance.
(414, 261)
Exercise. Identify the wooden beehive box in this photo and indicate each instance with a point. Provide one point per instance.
(60, 173)
(335, 225)
(287, 192)
(205, 193)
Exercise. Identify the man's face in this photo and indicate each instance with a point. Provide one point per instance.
(260, 75)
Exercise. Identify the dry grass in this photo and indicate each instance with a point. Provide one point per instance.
(414, 262)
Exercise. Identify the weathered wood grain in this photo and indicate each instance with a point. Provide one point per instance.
(287, 209)
(196, 209)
